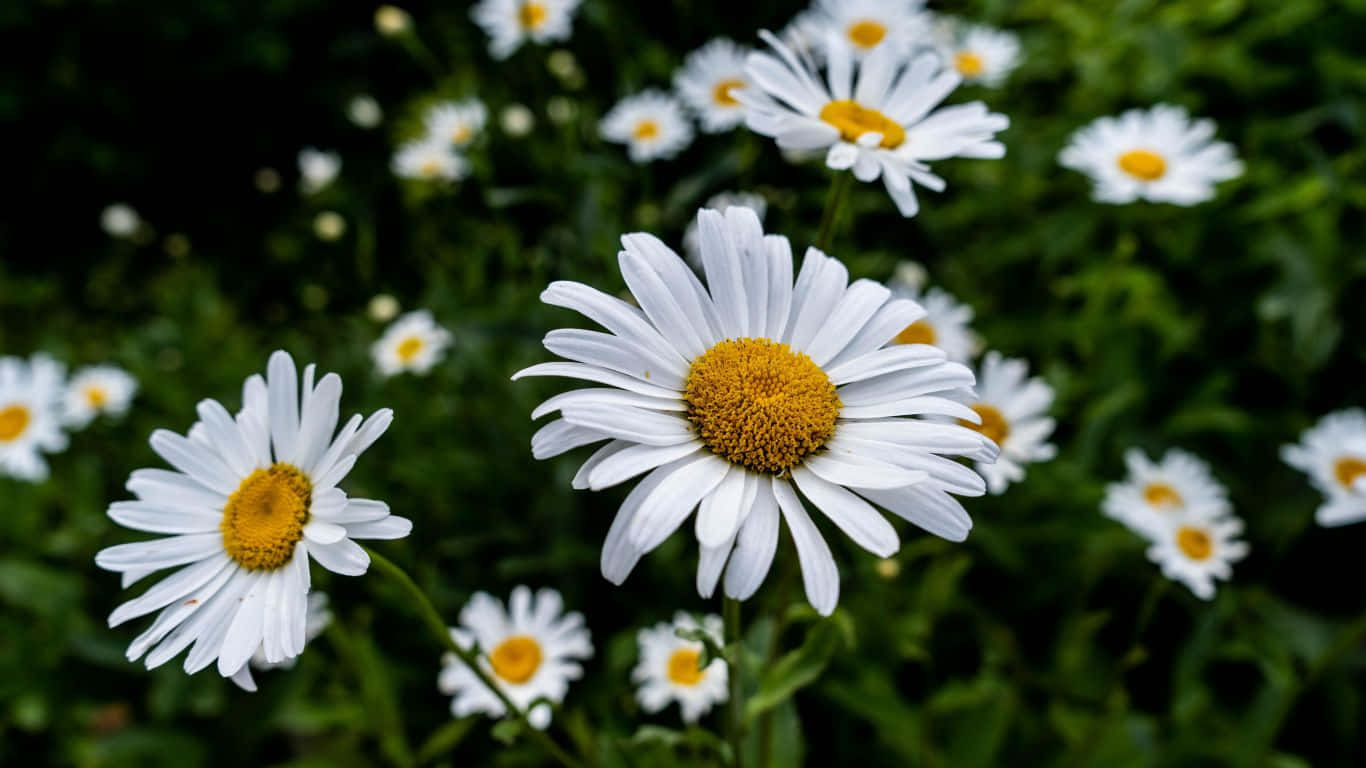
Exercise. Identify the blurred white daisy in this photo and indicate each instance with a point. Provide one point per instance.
(429, 160)
(392, 21)
(1159, 155)
(878, 124)
(981, 54)
(314, 623)
(30, 415)
(692, 246)
(329, 226)
(864, 25)
(517, 120)
(253, 497)
(707, 82)
(531, 650)
(364, 111)
(1156, 495)
(1195, 551)
(1333, 454)
(669, 668)
(1014, 414)
(317, 169)
(651, 124)
(99, 389)
(737, 396)
(120, 220)
(510, 23)
(943, 324)
(457, 122)
(414, 343)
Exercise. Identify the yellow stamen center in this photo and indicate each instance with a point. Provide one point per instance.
(532, 15)
(1143, 164)
(409, 348)
(462, 134)
(96, 397)
(429, 168)
(919, 332)
(14, 420)
(1162, 495)
(1346, 469)
(722, 93)
(994, 424)
(853, 121)
(867, 33)
(758, 404)
(1195, 543)
(968, 63)
(683, 669)
(646, 130)
(265, 517)
(516, 659)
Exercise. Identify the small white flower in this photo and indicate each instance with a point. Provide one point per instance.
(944, 324)
(318, 618)
(1159, 155)
(669, 668)
(531, 650)
(429, 160)
(1155, 496)
(981, 54)
(414, 343)
(708, 81)
(1195, 551)
(100, 389)
(317, 169)
(1333, 454)
(864, 25)
(392, 21)
(517, 120)
(364, 111)
(30, 415)
(120, 220)
(457, 122)
(1014, 414)
(692, 246)
(651, 124)
(510, 23)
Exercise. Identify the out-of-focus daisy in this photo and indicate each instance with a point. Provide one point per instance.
(414, 343)
(1159, 155)
(314, 623)
(317, 169)
(517, 120)
(1195, 551)
(1157, 495)
(329, 226)
(943, 324)
(1014, 414)
(392, 21)
(99, 389)
(736, 396)
(670, 668)
(692, 246)
(1333, 454)
(707, 82)
(30, 415)
(120, 220)
(364, 111)
(382, 308)
(456, 122)
(429, 160)
(864, 25)
(531, 650)
(878, 124)
(253, 497)
(981, 54)
(510, 23)
(651, 124)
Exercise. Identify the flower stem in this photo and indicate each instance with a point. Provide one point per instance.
(735, 647)
(834, 206)
(432, 618)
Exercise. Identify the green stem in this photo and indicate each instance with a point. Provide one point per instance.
(735, 647)
(779, 625)
(834, 206)
(432, 618)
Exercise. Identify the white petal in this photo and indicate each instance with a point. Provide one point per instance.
(599, 375)
(194, 460)
(323, 532)
(244, 636)
(719, 514)
(755, 544)
(853, 515)
(634, 460)
(820, 577)
(674, 499)
(154, 518)
(345, 557)
(391, 527)
(282, 381)
(160, 553)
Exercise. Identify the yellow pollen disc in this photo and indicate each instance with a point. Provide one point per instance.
(683, 669)
(867, 33)
(1162, 495)
(968, 63)
(758, 404)
(853, 121)
(14, 420)
(645, 130)
(96, 396)
(429, 168)
(919, 332)
(409, 348)
(516, 659)
(1346, 469)
(532, 15)
(722, 93)
(1195, 543)
(994, 424)
(461, 135)
(265, 517)
(1143, 164)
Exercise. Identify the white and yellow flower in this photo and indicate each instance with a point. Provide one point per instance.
(651, 124)
(734, 398)
(945, 323)
(413, 344)
(1333, 454)
(708, 81)
(1159, 155)
(457, 122)
(99, 389)
(865, 25)
(531, 650)
(429, 160)
(981, 54)
(670, 668)
(317, 620)
(1196, 550)
(692, 245)
(317, 169)
(1014, 414)
(30, 415)
(1157, 495)
(510, 23)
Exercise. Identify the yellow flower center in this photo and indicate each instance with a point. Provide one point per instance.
(1162, 495)
(722, 93)
(994, 425)
(14, 420)
(1143, 164)
(96, 396)
(968, 63)
(919, 332)
(853, 121)
(532, 15)
(646, 130)
(683, 668)
(409, 348)
(867, 33)
(1346, 469)
(1195, 543)
(429, 168)
(758, 404)
(265, 517)
(462, 134)
(516, 659)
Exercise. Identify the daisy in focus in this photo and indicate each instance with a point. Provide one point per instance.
(1014, 414)
(708, 81)
(1157, 495)
(531, 650)
(413, 344)
(981, 54)
(651, 124)
(1159, 155)
(692, 246)
(873, 117)
(1333, 454)
(251, 499)
(317, 620)
(458, 122)
(317, 169)
(864, 25)
(99, 389)
(429, 159)
(944, 324)
(30, 415)
(732, 399)
(510, 23)
(669, 668)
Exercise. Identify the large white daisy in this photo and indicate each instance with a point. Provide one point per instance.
(944, 324)
(429, 159)
(30, 415)
(99, 389)
(318, 618)
(1156, 495)
(1333, 454)
(876, 124)
(1195, 551)
(740, 396)
(708, 81)
(981, 54)
(1159, 155)
(670, 668)
(865, 25)
(510, 23)
(413, 343)
(651, 124)
(253, 497)
(457, 122)
(1014, 414)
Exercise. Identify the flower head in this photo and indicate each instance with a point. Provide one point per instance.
(317, 169)
(708, 81)
(1333, 454)
(651, 124)
(979, 53)
(429, 160)
(31, 395)
(510, 23)
(670, 668)
(1014, 414)
(100, 389)
(414, 343)
(456, 122)
(865, 25)
(1156, 495)
(1196, 551)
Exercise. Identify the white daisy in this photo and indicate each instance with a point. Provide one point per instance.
(120, 220)
(864, 25)
(669, 668)
(510, 23)
(751, 200)
(876, 124)
(414, 343)
(95, 390)
(1159, 155)
(318, 618)
(738, 396)
(1195, 551)
(1333, 454)
(317, 169)
(254, 496)
(1014, 414)
(943, 324)
(707, 81)
(30, 415)
(456, 122)
(429, 160)
(651, 124)
(1155, 496)
(981, 54)
(363, 111)
(531, 650)
(517, 120)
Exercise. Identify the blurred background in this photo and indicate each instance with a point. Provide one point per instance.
(1224, 329)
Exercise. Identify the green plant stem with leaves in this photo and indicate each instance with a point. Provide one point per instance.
(834, 206)
(735, 649)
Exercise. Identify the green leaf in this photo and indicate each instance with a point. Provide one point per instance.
(801, 667)
(445, 739)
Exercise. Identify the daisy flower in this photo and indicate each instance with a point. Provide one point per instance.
(651, 124)
(317, 169)
(981, 54)
(30, 415)
(670, 670)
(531, 650)
(95, 390)
(878, 124)
(1333, 454)
(510, 23)
(120, 220)
(734, 399)
(456, 122)
(707, 81)
(943, 324)
(864, 25)
(251, 499)
(1157, 495)
(317, 619)
(1014, 414)
(1195, 551)
(363, 111)
(414, 343)
(1159, 155)
(751, 200)
(429, 160)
